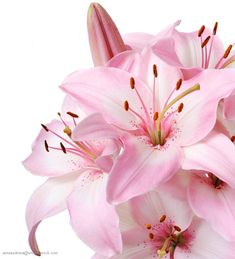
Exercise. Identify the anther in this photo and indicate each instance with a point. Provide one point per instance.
(73, 115)
(227, 51)
(215, 28)
(233, 138)
(177, 228)
(163, 218)
(180, 107)
(46, 146)
(200, 32)
(45, 127)
(204, 43)
(155, 116)
(151, 236)
(132, 82)
(178, 84)
(126, 105)
(68, 131)
(148, 226)
(63, 147)
(155, 73)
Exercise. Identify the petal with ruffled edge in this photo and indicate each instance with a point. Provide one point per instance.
(218, 207)
(214, 154)
(95, 221)
(141, 168)
(199, 114)
(49, 199)
(54, 162)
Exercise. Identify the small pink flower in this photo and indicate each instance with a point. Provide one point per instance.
(78, 159)
(158, 115)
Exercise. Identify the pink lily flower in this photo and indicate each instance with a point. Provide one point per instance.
(104, 37)
(158, 115)
(77, 158)
(161, 225)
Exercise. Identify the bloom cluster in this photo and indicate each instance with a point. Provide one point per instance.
(142, 154)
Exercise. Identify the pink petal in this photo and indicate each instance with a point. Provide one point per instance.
(94, 127)
(105, 39)
(229, 107)
(199, 114)
(150, 207)
(141, 163)
(95, 221)
(137, 40)
(217, 208)
(48, 200)
(105, 92)
(219, 152)
(54, 162)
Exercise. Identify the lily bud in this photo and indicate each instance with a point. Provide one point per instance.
(104, 37)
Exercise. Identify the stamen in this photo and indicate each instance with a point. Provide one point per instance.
(59, 114)
(180, 107)
(155, 73)
(215, 28)
(227, 51)
(46, 146)
(162, 219)
(200, 32)
(132, 82)
(178, 84)
(68, 131)
(63, 147)
(73, 115)
(155, 116)
(233, 138)
(45, 127)
(177, 228)
(148, 226)
(151, 236)
(204, 43)
(126, 105)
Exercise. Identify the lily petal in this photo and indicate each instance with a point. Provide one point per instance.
(137, 40)
(95, 221)
(219, 152)
(49, 199)
(140, 163)
(229, 107)
(105, 39)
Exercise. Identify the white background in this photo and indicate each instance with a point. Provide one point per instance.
(41, 41)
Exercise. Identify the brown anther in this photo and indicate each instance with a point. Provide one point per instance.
(178, 84)
(45, 127)
(148, 226)
(46, 146)
(200, 32)
(180, 107)
(151, 236)
(177, 228)
(162, 219)
(132, 82)
(155, 73)
(155, 116)
(233, 138)
(204, 43)
(68, 131)
(126, 105)
(74, 115)
(215, 28)
(59, 114)
(227, 51)
(63, 147)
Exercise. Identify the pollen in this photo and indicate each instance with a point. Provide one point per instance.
(126, 105)
(132, 83)
(177, 228)
(45, 127)
(233, 138)
(148, 226)
(227, 51)
(178, 84)
(215, 28)
(200, 32)
(155, 73)
(204, 43)
(63, 147)
(151, 236)
(73, 115)
(68, 131)
(46, 146)
(180, 107)
(163, 218)
(155, 116)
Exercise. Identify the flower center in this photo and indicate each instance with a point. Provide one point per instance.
(157, 124)
(165, 236)
(67, 144)
(207, 46)
(214, 181)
